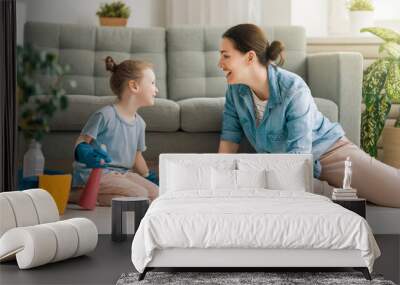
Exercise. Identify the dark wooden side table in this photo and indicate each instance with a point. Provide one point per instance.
(355, 205)
(120, 205)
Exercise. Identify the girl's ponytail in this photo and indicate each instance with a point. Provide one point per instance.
(110, 64)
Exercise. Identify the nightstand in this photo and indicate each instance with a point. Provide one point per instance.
(355, 205)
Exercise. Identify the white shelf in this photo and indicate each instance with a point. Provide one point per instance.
(343, 40)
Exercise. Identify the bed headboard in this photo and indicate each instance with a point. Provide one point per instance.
(266, 160)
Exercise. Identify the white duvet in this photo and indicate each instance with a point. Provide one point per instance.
(250, 219)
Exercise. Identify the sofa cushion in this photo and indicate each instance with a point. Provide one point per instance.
(163, 116)
(193, 55)
(80, 107)
(205, 114)
(201, 114)
(328, 108)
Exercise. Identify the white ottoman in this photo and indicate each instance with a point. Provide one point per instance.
(31, 232)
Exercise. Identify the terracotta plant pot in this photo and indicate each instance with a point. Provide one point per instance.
(391, 146)
(108, 21)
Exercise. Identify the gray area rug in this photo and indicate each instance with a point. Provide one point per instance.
(229, 278)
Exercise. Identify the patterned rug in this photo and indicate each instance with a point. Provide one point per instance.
(242, 278)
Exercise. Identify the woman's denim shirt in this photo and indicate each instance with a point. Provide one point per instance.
(291, 122)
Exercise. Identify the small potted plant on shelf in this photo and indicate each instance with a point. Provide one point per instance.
(381, 89)
(115, 13)
(37, 102)
(361, 15)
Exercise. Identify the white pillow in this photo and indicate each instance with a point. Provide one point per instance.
(251, 178)
(223, 179)
(226, 179)
(184, 174)
(291, 179)
(188, 177)
(283, 174)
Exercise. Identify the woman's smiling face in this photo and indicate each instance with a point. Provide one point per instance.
(232, 62)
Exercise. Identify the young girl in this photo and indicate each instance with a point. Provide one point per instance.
(274, 109)
(122, 131)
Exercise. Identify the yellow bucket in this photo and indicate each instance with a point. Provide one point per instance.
(59, 187)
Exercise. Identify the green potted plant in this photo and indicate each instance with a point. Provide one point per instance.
(361, 15)
(115, 13)
(37, 102)
(381, 88)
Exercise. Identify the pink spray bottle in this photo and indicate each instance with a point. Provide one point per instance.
(88, 197)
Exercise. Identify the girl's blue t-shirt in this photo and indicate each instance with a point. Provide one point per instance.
(121, 138)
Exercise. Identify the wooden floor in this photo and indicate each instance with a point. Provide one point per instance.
(102, 266)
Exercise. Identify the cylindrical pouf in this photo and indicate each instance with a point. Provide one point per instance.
(87, 234)
(7, 218)
(23, 208)
(67, 239)
(45, 205)
(26, 208)
(37, 245)
(34, 245)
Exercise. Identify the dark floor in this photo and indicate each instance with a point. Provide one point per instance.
(110, 259)
(102, 266)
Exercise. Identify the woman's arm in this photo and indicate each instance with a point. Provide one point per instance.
(299, 116)
(140, 165)
(231, 132)
(228, 147)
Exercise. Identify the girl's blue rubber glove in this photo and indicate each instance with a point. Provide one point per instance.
(92, 157)
(152, 177)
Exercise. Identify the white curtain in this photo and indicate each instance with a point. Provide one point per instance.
(213, 12)
(338, 18)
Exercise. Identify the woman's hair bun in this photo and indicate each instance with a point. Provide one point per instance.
(110, 64)
(274, 51)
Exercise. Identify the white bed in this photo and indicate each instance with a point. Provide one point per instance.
(201, 223)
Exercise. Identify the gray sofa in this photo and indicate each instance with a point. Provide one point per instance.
(188, 111)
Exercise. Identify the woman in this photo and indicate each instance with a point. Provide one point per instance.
(274, 109)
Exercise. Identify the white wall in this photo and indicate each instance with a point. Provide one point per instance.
(212, 12)
(387, 9)
(311, 14)
(276, 13)
(144, 13)
(228, 12)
